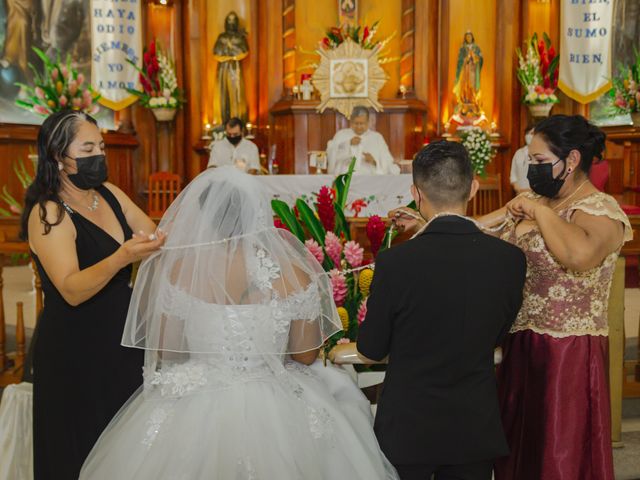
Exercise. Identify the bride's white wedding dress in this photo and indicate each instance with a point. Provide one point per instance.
(222, 398)
(242, 417)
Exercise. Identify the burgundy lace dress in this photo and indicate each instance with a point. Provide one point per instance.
(553, 382)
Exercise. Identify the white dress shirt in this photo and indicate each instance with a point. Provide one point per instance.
(340, 152)
(244, 154)
(519, 168)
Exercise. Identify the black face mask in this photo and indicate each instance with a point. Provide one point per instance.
(542, 181)
(92, 172)
(235, 140)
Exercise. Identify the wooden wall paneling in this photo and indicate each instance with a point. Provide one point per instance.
(623, 154)
(615, 157)
(120, 150)
(18, 141)
(301, 149)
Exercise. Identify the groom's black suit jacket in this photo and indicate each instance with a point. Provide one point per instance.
(439, 304)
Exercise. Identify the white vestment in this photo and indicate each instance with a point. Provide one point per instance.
(520, 168)
(340, 152)
(244, 154)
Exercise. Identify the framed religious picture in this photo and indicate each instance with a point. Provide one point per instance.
(349, 78)
(57, 27)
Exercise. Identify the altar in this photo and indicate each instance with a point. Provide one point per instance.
(380, 192)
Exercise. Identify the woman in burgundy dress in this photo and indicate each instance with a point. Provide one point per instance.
(553, 379)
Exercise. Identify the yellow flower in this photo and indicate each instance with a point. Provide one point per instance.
(51, 103)
(59, 87)
(366, 276)
(344, 317)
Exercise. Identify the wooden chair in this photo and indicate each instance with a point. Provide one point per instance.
(12, 363)
(489, 196)
(163, 189)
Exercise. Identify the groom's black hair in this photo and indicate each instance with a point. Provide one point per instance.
(443, 172)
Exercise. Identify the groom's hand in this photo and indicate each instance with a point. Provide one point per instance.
(406, 219)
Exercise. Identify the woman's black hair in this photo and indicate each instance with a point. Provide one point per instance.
(564, 133)
(55, 135)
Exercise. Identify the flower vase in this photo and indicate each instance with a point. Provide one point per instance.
(164, 114)
(540, 110)
(635, 118)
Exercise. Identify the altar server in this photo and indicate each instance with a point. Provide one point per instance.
(234, 149)
(368, 147)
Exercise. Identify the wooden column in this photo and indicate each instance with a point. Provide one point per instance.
(288, 44)
(408, 45)
(506, 106)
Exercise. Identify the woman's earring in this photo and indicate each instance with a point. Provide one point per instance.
(60, 166)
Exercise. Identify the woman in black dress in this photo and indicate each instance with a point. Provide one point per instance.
(79, 229)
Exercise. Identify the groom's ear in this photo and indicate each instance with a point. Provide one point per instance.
(475, 185)
(415, 194)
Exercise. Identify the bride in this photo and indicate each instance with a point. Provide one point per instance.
(232, 313)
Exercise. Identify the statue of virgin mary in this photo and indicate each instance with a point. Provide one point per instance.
(467, 86)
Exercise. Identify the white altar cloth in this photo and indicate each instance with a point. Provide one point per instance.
(389, 191)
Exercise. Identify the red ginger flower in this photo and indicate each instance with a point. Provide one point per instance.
(340, 289)
(375, 232)
(278, 224)
(362, 311)
(315, 249)
(325, 208)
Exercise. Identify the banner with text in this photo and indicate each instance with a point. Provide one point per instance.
(115, 37)
(585, 48)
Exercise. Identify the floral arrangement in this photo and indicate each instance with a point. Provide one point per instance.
(478, 144)
(538, 71)
(626, 87)
(325, 233)
(158, 79)
(60, 86)
(362, 35)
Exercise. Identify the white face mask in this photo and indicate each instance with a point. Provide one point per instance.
(528, 137)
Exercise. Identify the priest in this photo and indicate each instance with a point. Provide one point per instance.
(368, 147)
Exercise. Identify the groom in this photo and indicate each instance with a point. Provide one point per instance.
(439, 305)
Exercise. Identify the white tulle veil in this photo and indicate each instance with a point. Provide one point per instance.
(227, 283)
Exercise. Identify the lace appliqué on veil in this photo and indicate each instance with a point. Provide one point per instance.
(264, 271)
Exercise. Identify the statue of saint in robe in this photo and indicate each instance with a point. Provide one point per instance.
(230, 48)
(467, 86)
